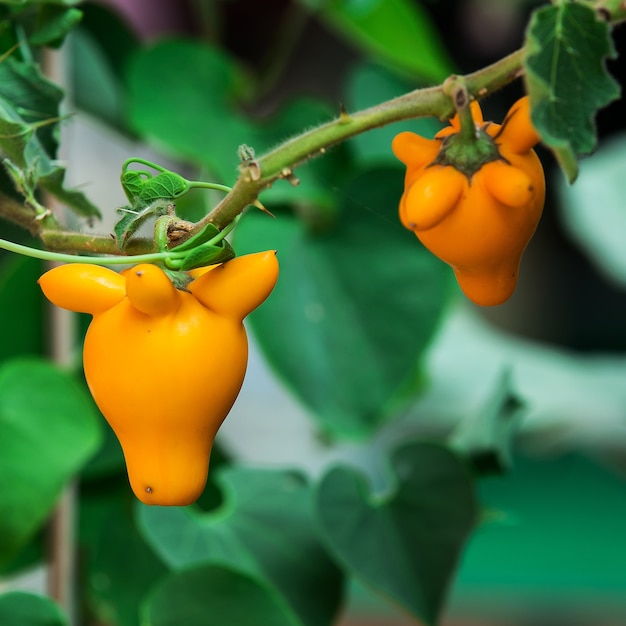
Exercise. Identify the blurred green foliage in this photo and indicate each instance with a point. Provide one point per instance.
(365, 328)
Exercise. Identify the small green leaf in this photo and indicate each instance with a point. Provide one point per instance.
(567, 80)
(48, 429)
(405, 543)
(132, 184)
(485, 438)
(215, 595)
(264, 527)
(141, 188)
(166, 185)
(21, 608)
(208, 255)
(52, 24)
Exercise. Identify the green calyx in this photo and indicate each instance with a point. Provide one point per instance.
(179, 279)
(467, 154)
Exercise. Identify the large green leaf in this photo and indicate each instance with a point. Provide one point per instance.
(32, 97)
(190, 112)
(195, 114)
(21, 307)
(20, 608)
(215, 595)
(48, 429)
(100, 49)
(263, 528)
(567, 45)
(397, 32)
(354, 308)
(406, 542)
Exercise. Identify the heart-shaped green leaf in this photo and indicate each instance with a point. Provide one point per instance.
(264, 528)
(141, 188)
(405, 543)
(48, 428)
(213, 89)
(215, 595)
(354, 308)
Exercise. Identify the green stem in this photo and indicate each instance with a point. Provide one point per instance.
(47, 255)
(468, 125)
(66, 241)
(263, 171)
(199, 184)
(260, 173)
(456, 88)
(160, 231)
(154, 166)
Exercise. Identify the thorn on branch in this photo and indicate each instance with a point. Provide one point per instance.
(289, 176)
(344, 116)
(42, 216)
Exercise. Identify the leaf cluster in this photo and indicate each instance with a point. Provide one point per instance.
(30, 104)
